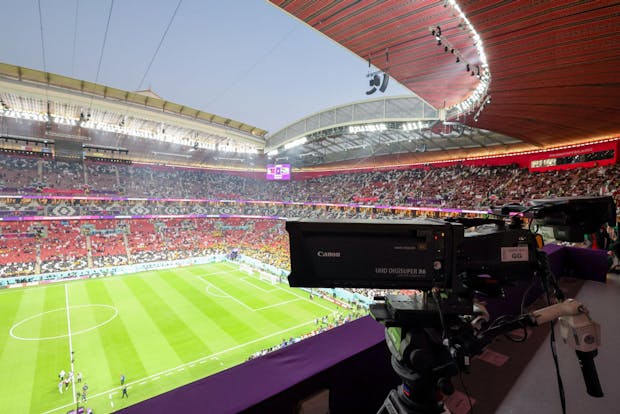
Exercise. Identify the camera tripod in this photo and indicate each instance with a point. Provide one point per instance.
(426, 354)
(426, 367)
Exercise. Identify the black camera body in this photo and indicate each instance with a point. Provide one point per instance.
(385, 254)
(418, 254)
(423, 254)
(454, 257)
(570, 217)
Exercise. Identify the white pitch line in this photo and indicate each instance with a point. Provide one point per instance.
(12, 331)
(70, 344)
(277, 304)
(292, 292)
(229, 296)
(209, 286)
(156, 376)
(223, 272)
(245, 280)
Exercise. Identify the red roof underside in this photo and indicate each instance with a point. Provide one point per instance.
(555, 65)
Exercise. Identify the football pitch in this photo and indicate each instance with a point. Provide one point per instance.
(160, 329)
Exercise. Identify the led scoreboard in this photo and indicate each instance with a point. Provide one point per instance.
(278, 172)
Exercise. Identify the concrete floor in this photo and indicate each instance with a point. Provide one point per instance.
(536, 390)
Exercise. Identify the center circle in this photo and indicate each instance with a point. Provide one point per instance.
(12, 332)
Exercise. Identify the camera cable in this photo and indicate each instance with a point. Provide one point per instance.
(444, 329)
(547, 275)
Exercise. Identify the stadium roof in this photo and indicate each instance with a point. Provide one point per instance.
(146, 98)
(545, 73)
(76, 105)
(376, 127)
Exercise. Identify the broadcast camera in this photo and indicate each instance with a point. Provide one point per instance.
(433, 334)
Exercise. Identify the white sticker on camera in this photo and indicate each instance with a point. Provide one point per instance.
(515, 254)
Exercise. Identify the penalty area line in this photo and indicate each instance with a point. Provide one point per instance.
(277, 304)
(294, 293)
(228, 295)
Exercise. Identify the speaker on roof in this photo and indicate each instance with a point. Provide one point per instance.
(384, 84)
(380, 81)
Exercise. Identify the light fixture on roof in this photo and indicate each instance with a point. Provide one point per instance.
(414, 126)
(483, 73)
(355, 129)
(295, 143)
(447, 46)
(436, 31)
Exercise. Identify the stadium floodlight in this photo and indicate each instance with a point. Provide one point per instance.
(273, 152)
(414, 126)
(33, 116)
(354, 129)
(295, 143)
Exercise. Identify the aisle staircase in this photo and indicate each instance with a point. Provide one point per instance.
(89, 252)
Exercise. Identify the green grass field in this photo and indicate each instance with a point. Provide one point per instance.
(161, 329)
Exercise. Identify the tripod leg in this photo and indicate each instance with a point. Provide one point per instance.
(397, 403)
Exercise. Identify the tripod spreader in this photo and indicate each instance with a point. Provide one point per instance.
(425, 367)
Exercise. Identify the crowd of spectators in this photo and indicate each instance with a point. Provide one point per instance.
(64, 265)
(19, 174)
(61, 245)
(61, 175)
(66, 245)
(28, 248)
(322, 324)
(456, 186)
(77, 207)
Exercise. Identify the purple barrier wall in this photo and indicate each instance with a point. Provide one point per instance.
(586, 264)
(248, 384)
